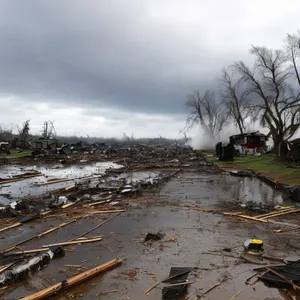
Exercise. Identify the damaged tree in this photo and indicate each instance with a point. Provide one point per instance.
(236, 99)
(207, 112)
(275, 102)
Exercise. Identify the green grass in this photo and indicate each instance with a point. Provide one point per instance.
(17, 154)
(265, 164)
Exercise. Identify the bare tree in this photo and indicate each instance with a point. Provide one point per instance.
(275, 102)
(207, 112)
(24, 131)
(236, 99)
(48, 130)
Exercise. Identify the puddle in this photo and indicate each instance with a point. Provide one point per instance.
(205, 189)
(247, 189)
(27, 187)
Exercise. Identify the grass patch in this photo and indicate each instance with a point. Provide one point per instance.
(17, 154)
(265, 165)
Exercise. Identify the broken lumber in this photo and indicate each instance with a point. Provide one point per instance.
(74, 242)
(97, 203)
(181, 283)
(55, 289)
(99, 225)
(54, 181)
(3, 268)
(35, 236)
(286, 230)
(245, 217)
(11, 226)
(275, 212)
(55, 228)
(106, 211)
(282, 213)
(295, 287)
(19, 178)
(166, 279)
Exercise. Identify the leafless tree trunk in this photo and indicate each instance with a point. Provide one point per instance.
(24, 131)
(48, 130)
(235, 97)
(275, 101)
(207, 112)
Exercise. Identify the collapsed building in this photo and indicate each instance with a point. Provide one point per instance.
(249, 143)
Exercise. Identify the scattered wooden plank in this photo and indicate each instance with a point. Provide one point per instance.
(282, 213)
(55, 228)
(5, 267)
(54, 181)
(106, 293)
(11, 226)
(74, 242)
(35, 236)
(31, 251)
(106, 211)
(245, 217)
(207, 209)
(99, 225)
(233, 297)
(287, 229)
(276, 212)
(181, 283)
(211, 288)
(55, 289)
(19, 178)
(97, 203)
(166, 279)
(295, 287)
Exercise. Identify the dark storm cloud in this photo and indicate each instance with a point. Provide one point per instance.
(101, 53)
(136, 55)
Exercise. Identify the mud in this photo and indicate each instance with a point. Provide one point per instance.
(191, 239)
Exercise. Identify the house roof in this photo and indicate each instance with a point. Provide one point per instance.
(256, 133)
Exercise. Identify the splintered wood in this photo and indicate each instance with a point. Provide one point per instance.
(55, 289)
(264, 218)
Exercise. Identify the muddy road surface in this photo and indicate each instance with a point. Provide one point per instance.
(190, 239)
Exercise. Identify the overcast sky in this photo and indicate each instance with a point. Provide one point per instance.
(106, 67)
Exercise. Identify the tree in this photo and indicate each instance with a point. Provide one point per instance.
(48, 130)
(24, 131)
(274, 100)
(236, 99)
(207, 112)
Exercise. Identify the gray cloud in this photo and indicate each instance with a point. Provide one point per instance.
(138, 56)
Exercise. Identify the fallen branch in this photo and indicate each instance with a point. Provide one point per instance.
(59, 287)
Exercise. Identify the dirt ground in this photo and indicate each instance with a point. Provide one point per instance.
(191, 239)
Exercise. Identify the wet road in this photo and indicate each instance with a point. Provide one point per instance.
(195, 234)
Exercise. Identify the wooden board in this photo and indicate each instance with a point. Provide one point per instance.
(282, 213)
(245, 217)
(74, 242)
(56, 288)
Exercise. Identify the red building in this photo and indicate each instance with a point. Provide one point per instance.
(250, 142)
